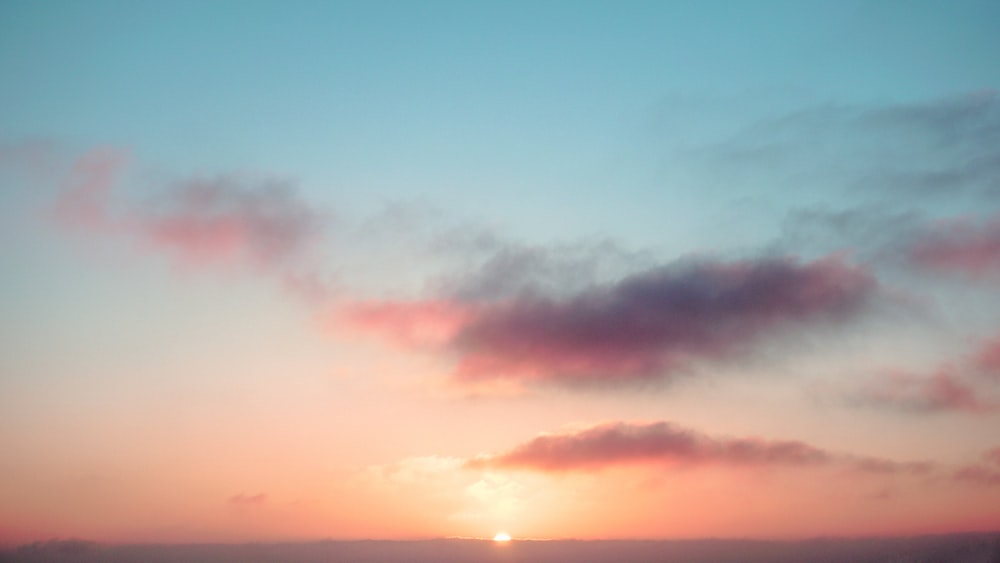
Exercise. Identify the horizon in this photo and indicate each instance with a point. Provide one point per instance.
(388, 270)
(966, 547)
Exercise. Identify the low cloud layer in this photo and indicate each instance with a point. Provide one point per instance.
(648, 324)
(666, 444)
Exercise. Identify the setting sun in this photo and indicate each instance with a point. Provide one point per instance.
(501, 537)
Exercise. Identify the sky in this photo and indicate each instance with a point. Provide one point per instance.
(403, 270)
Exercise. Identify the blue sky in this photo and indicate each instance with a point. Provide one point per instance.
(527, 103)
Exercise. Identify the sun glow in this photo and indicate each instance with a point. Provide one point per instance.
(501, 537)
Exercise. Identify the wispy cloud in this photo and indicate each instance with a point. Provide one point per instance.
(85, 201)
(224, 222)
(961, 246)
(988, 359)
(942, 391)
(928, 149)
(966, 385)
(647, 324)
(986, 472)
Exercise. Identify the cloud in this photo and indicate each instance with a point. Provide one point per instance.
(993, 456)
(989, 358)
(880, 466)
(978, 475)
(962, 246)
(647, 324)
(984, 473)
(406, 323)
(512, 268)
(85, 200)
(961, 386)
(928, 150)
(666, 444)
(200, 223)
(622, 443)
(970, 118)
(222, 220)
(942, 391)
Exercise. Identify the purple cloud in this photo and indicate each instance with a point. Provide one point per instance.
(656, 321)
(648, 324)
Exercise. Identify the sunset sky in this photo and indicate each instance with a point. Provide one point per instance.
(412, 269)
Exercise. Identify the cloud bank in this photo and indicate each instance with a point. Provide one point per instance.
(666, 444)
(647, 324)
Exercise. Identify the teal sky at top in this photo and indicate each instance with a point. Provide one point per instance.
(509, 110)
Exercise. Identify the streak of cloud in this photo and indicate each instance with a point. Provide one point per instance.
(986, 472)
(942, 391)
(928, 150)
(962, 246)
(666, 444)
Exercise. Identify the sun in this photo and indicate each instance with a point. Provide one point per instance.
(501, 537)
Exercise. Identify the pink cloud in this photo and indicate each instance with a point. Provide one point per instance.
(205, 222)
(986, 472)
(957, 387)
(622, 443)
(646, 325)
(408, 323)
(978, 475)
(960, 245)
(943, 390)
(85, 200)
(987, 358)
(663, 443)
(199, 223)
